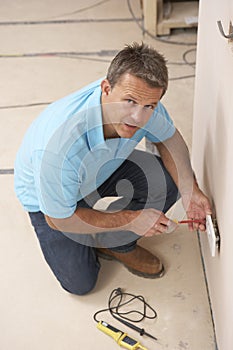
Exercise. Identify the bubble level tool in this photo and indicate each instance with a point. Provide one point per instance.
(120, 337)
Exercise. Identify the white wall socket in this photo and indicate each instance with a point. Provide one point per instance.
(212, 235)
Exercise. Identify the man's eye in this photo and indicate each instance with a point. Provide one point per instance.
(131, 101)
(149, 107)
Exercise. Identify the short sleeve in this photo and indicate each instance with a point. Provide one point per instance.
(57, 184)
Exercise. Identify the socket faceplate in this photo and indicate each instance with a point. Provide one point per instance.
(212, 235)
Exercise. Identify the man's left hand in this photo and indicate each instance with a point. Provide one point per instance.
(197, 206)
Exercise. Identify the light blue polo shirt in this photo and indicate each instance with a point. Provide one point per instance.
(64, 156)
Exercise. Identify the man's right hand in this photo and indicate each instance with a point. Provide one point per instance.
(150, 222)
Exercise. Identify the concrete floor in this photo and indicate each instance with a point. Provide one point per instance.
(35, 312)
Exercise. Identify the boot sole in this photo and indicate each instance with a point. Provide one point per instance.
(135, 272)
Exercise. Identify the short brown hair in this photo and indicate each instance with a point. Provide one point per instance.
(141, 61)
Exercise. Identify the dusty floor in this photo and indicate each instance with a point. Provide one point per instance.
(49, 49)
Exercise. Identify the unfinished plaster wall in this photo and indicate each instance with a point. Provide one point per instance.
(213, 153)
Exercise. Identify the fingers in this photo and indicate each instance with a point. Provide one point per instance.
(202, 228)
(172, 226)
(198, 223)
(198, 211)
(155, 230)
(198, 207)
(194, 226)
(153, 222)
(163, 226)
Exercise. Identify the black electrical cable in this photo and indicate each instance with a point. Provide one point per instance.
(64, 21)
(73, 54)
(84, 58)
(182, 77)
(6, 171)
(26, 105)
(186, 62)
(117, 300)
(82, 55)
(192, 64)
(82, 9)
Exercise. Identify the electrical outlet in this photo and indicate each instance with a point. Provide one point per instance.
(212, 234)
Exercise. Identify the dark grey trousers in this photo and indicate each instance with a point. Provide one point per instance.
(140, 182)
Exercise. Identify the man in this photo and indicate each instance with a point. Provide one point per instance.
(82, 149)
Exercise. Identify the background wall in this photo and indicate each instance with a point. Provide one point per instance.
(213, 153)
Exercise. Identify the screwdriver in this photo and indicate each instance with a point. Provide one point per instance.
(190, 221)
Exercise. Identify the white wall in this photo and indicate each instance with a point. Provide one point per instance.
(213, 153)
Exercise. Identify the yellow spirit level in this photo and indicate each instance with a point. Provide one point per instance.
(120, 337)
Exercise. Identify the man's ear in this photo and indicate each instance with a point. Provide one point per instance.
(105, 87)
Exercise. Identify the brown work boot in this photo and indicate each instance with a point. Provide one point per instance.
(139, 261)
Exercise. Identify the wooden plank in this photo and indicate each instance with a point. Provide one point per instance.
(150, 16)
(183, 15)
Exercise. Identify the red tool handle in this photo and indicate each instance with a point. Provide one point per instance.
(192, 221)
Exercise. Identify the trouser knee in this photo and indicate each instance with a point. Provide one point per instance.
(79, 288)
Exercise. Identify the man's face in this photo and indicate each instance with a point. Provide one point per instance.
(128, 106)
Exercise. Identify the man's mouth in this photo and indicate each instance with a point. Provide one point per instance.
(131, 126)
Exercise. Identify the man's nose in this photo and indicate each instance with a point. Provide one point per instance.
(138, 113)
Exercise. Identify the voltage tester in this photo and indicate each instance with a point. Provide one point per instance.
(120, 337)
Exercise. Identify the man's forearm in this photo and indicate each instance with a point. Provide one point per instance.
(175, 155)
(90, 221)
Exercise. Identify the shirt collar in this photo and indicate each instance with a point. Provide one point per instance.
(95, 135)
